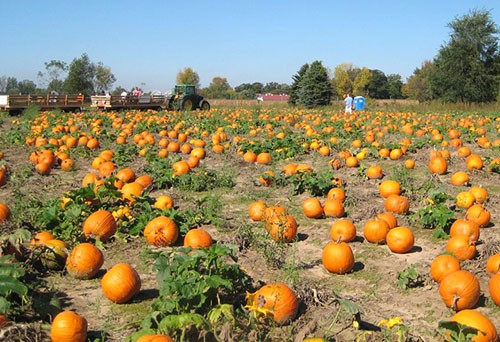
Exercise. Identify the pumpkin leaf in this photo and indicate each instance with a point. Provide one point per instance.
(10, 285)
(459, 332)
(178, 322)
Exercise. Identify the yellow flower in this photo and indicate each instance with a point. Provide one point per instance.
(391, 322)
(431, 201)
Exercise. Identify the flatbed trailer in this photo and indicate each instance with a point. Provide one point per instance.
(17, 103)
(118, 102)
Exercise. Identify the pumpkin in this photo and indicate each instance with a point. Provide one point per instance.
(106, 169)
(4, 212)
(312, 208)
(443, 265)
(375, 230)
(276, 300)
(478, 214)
(43, 168)
(410, 164)
(480, 194)
(266, 178)
(438, 165)
(155, 338)
(290, 169)
(397, 204)
(336, 194)
(400, 240)
(250, 157)
(41, 238)
(126, 175)
(68, 326)
(493, 264)
(389, 187)
(465, 200)
(53, 254)
(465, 227)
(460, 290)
(282, 228)
(273, 211)
(343, 231)
(198, 152)
(164, 202)
(197, 237)
(462, 247)
(351, 162)
(84, 261)
(463, 152)
(474, 319)
(131, 190)
(90, 178)
(256, 210)
(389, 218)
(180, 168)
(146, 181)
(101, 224)
(263, 158)
(333, 208)
(460, 178)
(67, 164)
(374, 172)
(474, 162)
(338, 257)
(120, 283)
(161, 231)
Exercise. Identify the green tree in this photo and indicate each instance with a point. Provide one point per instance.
(467, 68)
(315, 88)
(53, 77)
(11, 86)
(118, 90)
(104, 78)
(188, 76)
(394, 85)
(27, 87)
(361, 82)
(377, 88)
(297, 79)
(81, 76)
(219, 88)
(417, 86)
(342, 78)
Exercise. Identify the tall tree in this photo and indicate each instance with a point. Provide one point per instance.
(467, 68)
(297, 79)
(80, 77)
(342, 78)
(53, 77)
(315, 88)
(377, 88)
(394, 85)
(361, 82)
(27, 87)
(188, 76)
(219, 88)
(11, 86)
(417, 86)
(104, 78)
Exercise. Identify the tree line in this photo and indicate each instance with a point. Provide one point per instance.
(466, 69)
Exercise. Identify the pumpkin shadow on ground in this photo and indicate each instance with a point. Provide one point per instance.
(97, 335)
(358, 266)
(415, 249)
(145, 295)
(302, 237)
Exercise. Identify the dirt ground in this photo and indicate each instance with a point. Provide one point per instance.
(372, 285)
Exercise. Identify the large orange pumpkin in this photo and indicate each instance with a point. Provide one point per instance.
(338, 257)
(161, 231)
(312, 208)
(68, 326)
(493, 264)
(400, 240)
(443, 265)
(282, 228)
(4, 212)
(131, 190)
(389, 187)
(472, 318)
(333, 208)
(375, 230)
(180, 168)
(101, 224)
(343, 231)
(478, 214)
(84, 261)
(465, 227)
(397, 204)
(460, 290)
(438, 165)
(462, 247)
(480, 194)
(120, 283)
(494, 287)
(277, 301)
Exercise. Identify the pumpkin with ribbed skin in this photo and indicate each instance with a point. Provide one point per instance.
(120, 283)
(161, 231)
(443, 265)
(145, 180)
(343, 231)
(126, 175)
(389, 218)
(493, 264)
(282, 228)
(180, 167)
(41, 238)
(462, 247)
(277, 301)
(155, 338)
(256, 210)
(131, 190)
(460, 290)
(400, 240)
(478, 214)
(273, 211)
(312, 208)
(338, 257)
(197, 237)
(397, 204)
(438, 165)
(84, 261)
(494, 287)
(465, 227)
(460, 178)
(333, 208)
(101, 224)
(68, 326)
(374, 172)
(472, 318)
(336, 194)
(375, 230)
(389, 187)
(480, 194)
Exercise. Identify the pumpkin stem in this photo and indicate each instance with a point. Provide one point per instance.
(454, 303)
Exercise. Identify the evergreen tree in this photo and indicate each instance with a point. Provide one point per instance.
(296, 84)
(315, 88)
(467, 68)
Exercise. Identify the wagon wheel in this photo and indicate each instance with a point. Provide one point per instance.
(205, 105)
(187, 104)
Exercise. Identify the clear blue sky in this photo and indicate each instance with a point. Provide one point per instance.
(149, 42)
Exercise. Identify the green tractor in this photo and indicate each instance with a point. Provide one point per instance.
(184, 97)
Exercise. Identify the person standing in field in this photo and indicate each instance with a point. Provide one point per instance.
(348, 103)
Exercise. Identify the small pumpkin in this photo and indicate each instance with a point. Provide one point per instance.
(337, 257)
(84, 261)
(198, 237)
(462, 247)
(443, 265)
(460, 290)
(472, 318)
(478, 214)
(460, 178)
(438, 165)
(389, 187)
(155, 338)
(480, 194)
(282, 228)
(101, 224)
(68, 326)
(397, 204)
(161, 231)
(256, 210)
(312, 208)
(333, 208)
(276, 300)
(400, 240)
(120, 283)
(343, 231)
(41, 238)
(493, 264)
(375, 230)
(465, 200)
(374, 172)
(336, 194)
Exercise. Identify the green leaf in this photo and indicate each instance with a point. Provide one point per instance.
(9, 284)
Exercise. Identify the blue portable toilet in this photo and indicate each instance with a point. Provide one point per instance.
(359, 103)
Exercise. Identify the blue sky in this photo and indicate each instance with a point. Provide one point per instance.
(149, 42)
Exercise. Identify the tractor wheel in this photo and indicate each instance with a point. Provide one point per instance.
(204, 105)
(187, 104)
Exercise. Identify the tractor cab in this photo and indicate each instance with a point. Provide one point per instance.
(184, 97)
(184, 89)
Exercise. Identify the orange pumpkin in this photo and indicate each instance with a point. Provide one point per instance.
(460, 178)
(164, 203)
(131, 190)
(126, 175)
(389, 187)
(465, 200)
(4, 212)
(277, 301)
(374, 172)
(478, 214)
(389, 218)
(282, 228)
(155, 338)
(474, 162)
(256, 210)
(120, 283)
(480, 194)
(397, 204)
(375, 230)
(472, 318)
(161, 231)
(493, 264)
(180, 168)
(312, 208)
(333, 208)
(465, 227)
(337, 257)
(68, 326)
(197, 237)
(84, 261)
(40, 238)
(460, 290)
(343, 231)
(336, 194)
(462, 247)
(438, 165)
(400, 240)
(443, 265)
(263, 158)
(146, 181)
(100, 224)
